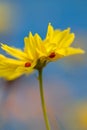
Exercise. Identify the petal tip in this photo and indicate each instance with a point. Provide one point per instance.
(69, 29)
(73, 35)
(49, 23)
(1, 44)
(81, 51)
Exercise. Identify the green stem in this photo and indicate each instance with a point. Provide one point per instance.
(42, 100)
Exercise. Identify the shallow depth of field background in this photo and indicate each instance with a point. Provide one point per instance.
(65, 81)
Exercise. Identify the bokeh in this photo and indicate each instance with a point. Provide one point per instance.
(65, 81)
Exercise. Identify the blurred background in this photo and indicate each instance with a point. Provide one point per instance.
(65, 81)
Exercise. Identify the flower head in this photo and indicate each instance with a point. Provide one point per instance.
(56, 45)
(37, 52)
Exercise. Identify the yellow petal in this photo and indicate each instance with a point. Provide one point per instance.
(38, 41)
(52, 34)
(27, 48)
(10, 74)
(30, 44)
(58, 37)
(14, 51)
(33, 46)
(68, 40)
(26, 45)
(19, 72)
(8, 70)
(65, 38)
(11, 69)
(6, 60)
(40, 48)
(70, 51)
(50, 31)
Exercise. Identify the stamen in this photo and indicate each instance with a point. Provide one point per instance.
(27, 64)
(52, 55)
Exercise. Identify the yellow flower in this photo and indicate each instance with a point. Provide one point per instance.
(13, 68)
(37, 52)
(56, 45)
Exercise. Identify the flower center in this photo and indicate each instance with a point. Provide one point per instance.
(52, 55)
(27, 64)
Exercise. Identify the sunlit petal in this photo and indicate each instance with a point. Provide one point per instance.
(14, 51)
(70, 51)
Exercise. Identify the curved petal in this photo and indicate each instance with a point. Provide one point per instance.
(33, 46)
(50, 31)
(58, 37)
(52, 34)
(67, 40)
(27, 48)
(6, 60)
(40, 48)
(11, 69)
(70, 51)
(14, 52)
(7, 71)
(30, 46)
(19, 72)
